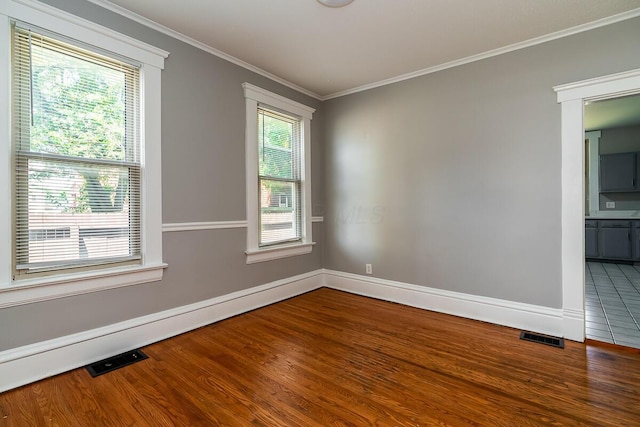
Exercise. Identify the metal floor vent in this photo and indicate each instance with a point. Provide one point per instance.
(115, 362)
(542, 339)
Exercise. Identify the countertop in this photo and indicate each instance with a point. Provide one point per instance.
(603, 217)
(624, 215)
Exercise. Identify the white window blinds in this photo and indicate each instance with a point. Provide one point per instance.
(279, 176)
(76, 155)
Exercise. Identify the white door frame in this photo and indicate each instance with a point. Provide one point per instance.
(572, 97)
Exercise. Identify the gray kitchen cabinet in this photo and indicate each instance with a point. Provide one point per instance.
(614, 240)
(635, 240)
(618, 172)
(591, 239)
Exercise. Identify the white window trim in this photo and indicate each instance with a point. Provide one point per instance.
(253, 96)
(26, 291)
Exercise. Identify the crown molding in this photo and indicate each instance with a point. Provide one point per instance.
(203, 46)
(634, 13)
(467, 60)
(35, 13)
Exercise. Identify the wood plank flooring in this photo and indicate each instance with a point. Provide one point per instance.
(329, 358)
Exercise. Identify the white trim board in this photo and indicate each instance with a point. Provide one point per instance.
(34, 362)
(210, 225)
(501, 312)
(213, 225)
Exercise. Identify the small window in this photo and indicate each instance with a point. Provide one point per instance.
(76, 154)
(278, 176)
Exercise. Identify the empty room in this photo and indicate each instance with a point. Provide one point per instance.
(320, 212)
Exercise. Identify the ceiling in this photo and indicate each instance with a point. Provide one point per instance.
(612, 113)
(332, 51)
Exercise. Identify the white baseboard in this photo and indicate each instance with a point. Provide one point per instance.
(573, 324)
(33, 362)
(507, 313)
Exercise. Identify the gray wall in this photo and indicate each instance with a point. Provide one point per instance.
(203, 116)
(450, 180)
(456, 174)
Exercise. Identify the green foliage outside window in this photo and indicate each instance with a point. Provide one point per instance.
(78, 110)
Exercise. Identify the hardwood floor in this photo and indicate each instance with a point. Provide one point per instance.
(331, 358)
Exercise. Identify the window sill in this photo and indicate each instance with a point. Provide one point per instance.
(27, 291)
(276, 252)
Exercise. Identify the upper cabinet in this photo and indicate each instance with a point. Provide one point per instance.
(612, 156)
(619, 172)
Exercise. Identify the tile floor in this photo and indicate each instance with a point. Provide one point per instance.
(613, 303)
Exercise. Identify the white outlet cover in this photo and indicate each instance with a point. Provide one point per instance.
(610, 205)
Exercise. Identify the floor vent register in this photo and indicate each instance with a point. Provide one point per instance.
(115, 362)
(542, 339)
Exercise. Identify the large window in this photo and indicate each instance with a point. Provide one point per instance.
(80, 188)
(76, 152)
(278, 182)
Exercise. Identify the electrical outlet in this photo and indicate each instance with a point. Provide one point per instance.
(610, 205)
(368, 269)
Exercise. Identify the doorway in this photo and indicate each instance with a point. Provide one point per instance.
(612, 219)
(571, 98)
